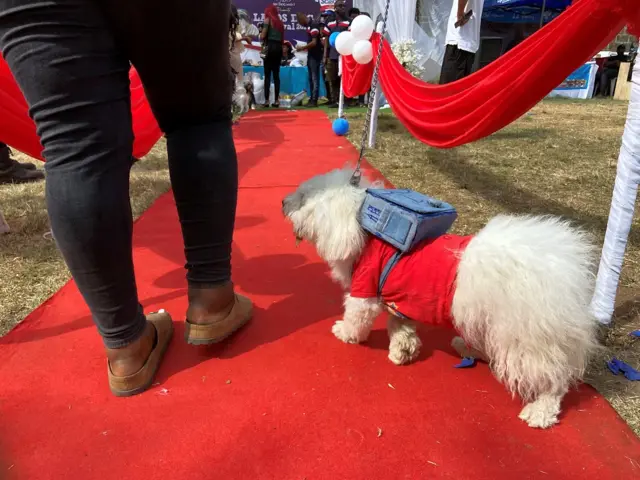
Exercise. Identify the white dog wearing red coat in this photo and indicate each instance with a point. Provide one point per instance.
(517, 292)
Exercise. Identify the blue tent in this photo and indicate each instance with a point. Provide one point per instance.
(523, 11)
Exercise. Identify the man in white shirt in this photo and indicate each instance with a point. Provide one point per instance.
(463, 39)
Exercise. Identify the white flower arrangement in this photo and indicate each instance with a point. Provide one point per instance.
(409, 56)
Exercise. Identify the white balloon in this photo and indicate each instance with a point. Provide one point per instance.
(362, 27)
(344, 43)
(363, 51)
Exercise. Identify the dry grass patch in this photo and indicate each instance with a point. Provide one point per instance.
(31, 267)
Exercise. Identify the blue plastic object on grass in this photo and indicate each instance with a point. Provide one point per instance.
(618, 366)
(332, 38)
(635, 333)
(340, 126)
(404, 218)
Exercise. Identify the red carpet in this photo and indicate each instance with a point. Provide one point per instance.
(284, 400)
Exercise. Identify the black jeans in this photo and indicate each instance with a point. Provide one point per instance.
(456, 65)
(71, 59)
(334, 81)
(272, 64)
(313, 65)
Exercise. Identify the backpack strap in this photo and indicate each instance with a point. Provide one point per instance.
(383, 278)
(387, 270)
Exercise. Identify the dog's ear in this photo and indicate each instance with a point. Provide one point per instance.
(337, 229)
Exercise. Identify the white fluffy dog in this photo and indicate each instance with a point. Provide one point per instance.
(520, 292)
(242, 99)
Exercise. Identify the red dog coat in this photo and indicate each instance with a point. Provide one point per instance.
(422, 283)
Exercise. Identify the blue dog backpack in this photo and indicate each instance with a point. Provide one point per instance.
(404, 218)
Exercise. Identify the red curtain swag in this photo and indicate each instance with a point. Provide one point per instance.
(446, 116)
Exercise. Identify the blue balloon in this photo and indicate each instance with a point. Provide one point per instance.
(340, 126)
(332, 38)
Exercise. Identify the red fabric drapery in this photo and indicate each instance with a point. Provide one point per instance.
(446, 116)
(18, 130)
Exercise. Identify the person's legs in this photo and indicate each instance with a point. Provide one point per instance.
(327, 84)
(466, 61)
(448, 72)
(333, 80)
(276, 82)
(76, 83)
(274, 59)
(314, 79)
(456, 65)
(191, 97)
(267, 81)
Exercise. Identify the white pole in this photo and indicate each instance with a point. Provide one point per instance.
(373, 127)
(341, 97)
(623, 202)
(544, 7)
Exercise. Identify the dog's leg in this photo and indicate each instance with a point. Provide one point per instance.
(460, 346)
(543, 411)
(404, 345)
(359, 315)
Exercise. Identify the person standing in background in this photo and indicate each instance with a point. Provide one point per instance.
(235, 46)
(314, 56)
(331, 56)
(610, 70)
(463, 40)
(272, 36)
(325, 17)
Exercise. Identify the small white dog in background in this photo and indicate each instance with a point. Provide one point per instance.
(517, 292)
(242, 99)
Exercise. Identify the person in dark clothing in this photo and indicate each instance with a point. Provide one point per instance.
(325, 18)
(12, 171)
(314, 56)
(287, 53)
(272, 36)
(339, 24)
(610, 70)
(72, 59)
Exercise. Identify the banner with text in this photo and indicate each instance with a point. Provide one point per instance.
(288, 10)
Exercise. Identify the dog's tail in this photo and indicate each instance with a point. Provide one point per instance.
(522, 296)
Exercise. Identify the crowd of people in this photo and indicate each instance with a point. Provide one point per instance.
(276, 51)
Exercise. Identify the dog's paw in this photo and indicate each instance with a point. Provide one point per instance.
(404, 347)
(341, 332)
(541, 413)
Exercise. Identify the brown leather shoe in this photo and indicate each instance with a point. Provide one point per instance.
(209, 333)
(143, 378)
